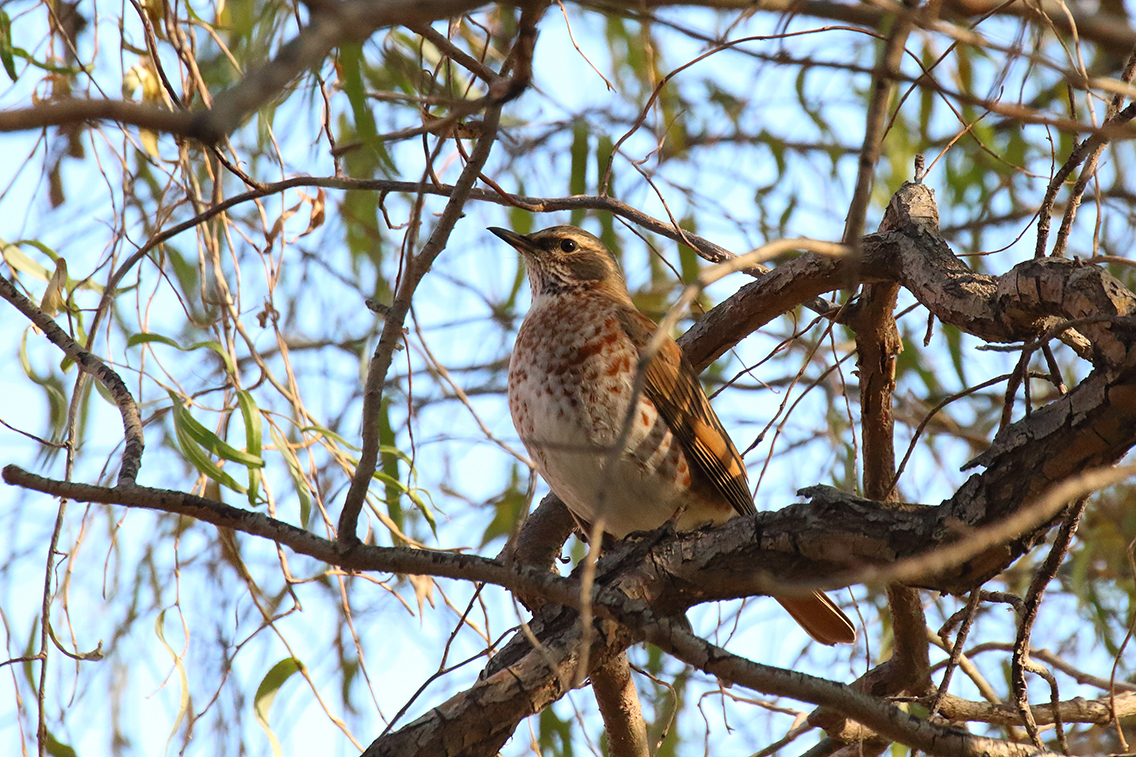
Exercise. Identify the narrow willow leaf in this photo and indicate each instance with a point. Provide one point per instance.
(148, 338)
(16, 258)
(330, 435)
(6, 49)
(296, 472)
(213, 443)
(183, 678)
(578, 175)
(184, 429)
(266, 694)
(54, 296)
(250, 413)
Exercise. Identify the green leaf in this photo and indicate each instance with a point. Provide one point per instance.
(520, 219)
(57, 748)
(296, 472)
(390, 456)
(604, 150)
(198, 458)
(351, 68)
(926, 101)
(250, 413)
(688, 262)
(908, 361)
(53, 389)
(330, 435)
(29, 655)
(424, 509)
(266, 695)
(554, 734)
(508, 507)
(197, 442)
(954, 343)
(213, 443)
(388, 470)
(6, 45)
(21, 262)
(148, 338)
(608, 235)
(16, 258)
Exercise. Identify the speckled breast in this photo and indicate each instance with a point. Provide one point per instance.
(570, 382)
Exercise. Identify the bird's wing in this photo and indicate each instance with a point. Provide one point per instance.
(672, 386)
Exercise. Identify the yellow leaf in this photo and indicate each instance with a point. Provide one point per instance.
(53, 296)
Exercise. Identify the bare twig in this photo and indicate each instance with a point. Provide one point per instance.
(418, 265)
(1113, 116)
(1058, 662)
(956, 649)
(883, 85)
(1020, 662)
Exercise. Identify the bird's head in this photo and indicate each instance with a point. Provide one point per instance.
(565, 259)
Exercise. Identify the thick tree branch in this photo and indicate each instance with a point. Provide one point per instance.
(1074, 711)
(872, 318)
(618, 703)
(1017, 306)
(537, 545)
(519, 682)
(643, 579)
(636, 580)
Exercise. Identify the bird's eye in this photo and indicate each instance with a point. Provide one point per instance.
(568, 245)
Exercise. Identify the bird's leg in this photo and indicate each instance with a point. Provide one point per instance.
(668, 529)
(672, 523)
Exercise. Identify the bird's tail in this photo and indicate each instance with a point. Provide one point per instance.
(821, 618)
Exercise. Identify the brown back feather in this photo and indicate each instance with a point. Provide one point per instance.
(672, 386)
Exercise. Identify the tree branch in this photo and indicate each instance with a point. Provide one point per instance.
(123, 399)
(417, 267)
(1017, 306)
(882, 717)
(1077, 710)
(1110, 31)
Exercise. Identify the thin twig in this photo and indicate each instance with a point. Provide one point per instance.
(1020, 661)
(883, 85)
(418, 265)
(969, 613)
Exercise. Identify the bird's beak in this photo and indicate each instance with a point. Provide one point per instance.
(518, 241)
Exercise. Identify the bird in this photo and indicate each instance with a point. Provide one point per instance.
(572, 377)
